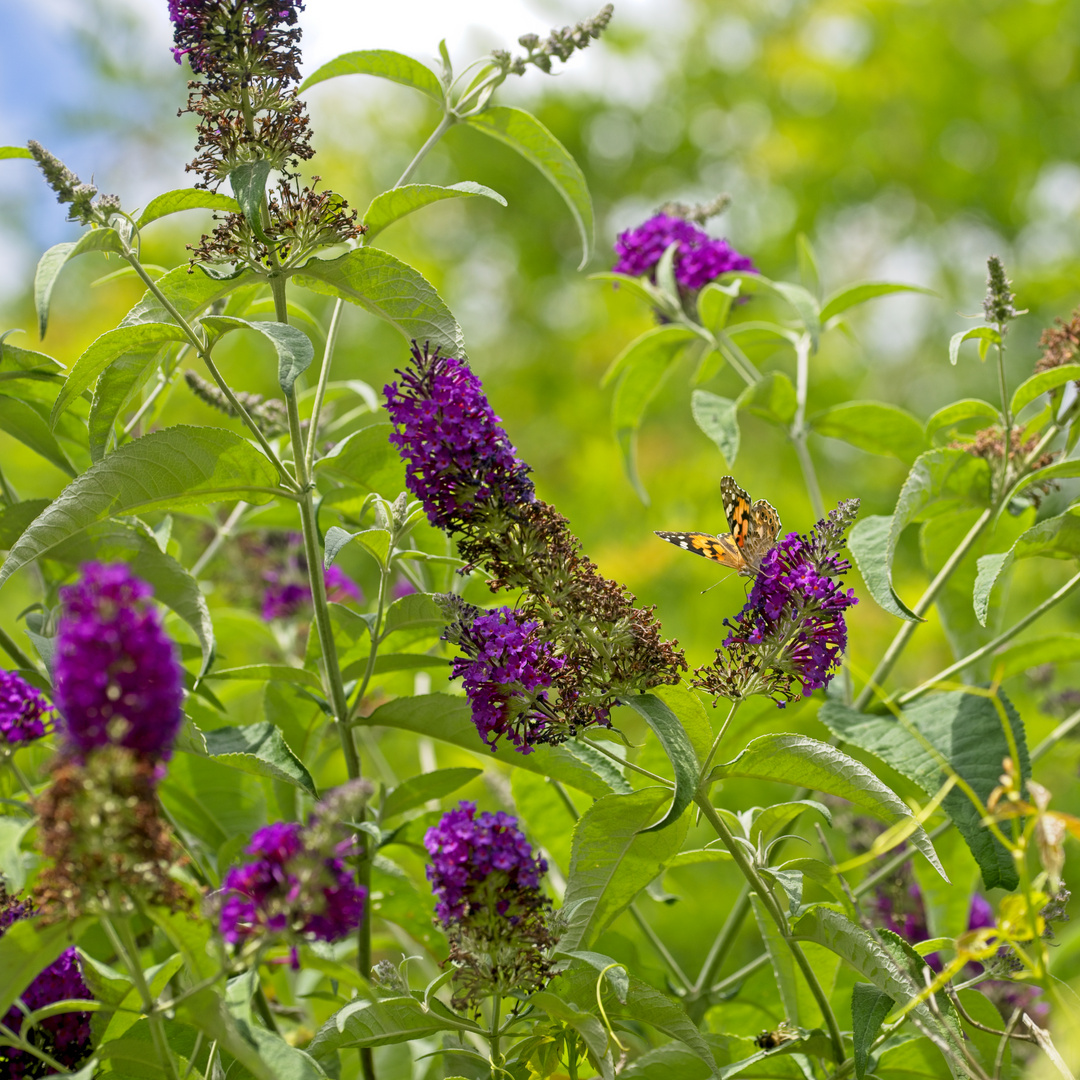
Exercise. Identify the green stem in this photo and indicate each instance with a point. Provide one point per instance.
(990, 646)
(742, 974)
(799, 430)
(697, 998)
(376, 639)
(222, 534)
(659, 946)
(495, 1036)
(12, 1038)
(1005, 410)
(898, 643)
(16, 654)
(769, 902)
(1055, 736)
(445, 124)
(719, 735)
(204, 354)
(628, 764)
(324, 378)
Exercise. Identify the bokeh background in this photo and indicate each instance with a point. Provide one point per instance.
(907, 140)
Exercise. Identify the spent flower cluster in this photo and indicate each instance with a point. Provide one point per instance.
(486, 882)
(576, 640)
(85, 208)
(793, 626)
(561, 43)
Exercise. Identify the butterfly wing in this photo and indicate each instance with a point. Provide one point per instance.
(721, 549)
(736, 508)
(763, 527)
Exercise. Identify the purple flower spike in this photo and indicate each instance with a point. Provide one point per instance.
(459, 461)
(24, 713)
(699, 258)
(64, 1037)
(466, 851)
(118, 680)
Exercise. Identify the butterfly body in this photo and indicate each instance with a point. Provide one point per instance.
(754, 528)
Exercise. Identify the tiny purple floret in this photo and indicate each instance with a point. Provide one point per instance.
(24, 713)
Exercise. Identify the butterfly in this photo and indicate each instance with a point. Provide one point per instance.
(754, 529)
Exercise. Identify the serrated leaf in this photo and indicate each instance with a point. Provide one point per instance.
(26, 360)
(521, 131)
(614, 856)
(293, 347)
(377, 1023)
(1039, 384)
(667, 728)
(27, 947)
(259, 749)
(804, 762)
(25, 424)
(965, 729)
(869, 1006)
(180, 466)
(984, 335)
(872, 426)
(420, 789)
(172, 202)
(958, 411)
(368, 460)
(110, 346)
(56, 258)
(398, 202)
(390, 289)
(869, 290)
(718, 417)
(384, 63)
(1055, 538)
(440, 716)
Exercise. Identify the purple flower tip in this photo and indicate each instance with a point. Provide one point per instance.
(699, 258)
(117, 676)
(24, 713)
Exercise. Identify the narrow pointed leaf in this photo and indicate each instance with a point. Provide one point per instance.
(377, 1023)
(293, 347)
(869, 1006)
(180, 466)
(25, 424)
(958, 412)
(1039, 384)
(521, 131)
(420, 789)
(396, 203)
(248, 183)
(384, 63)
(872, 426)
(859, 294)
(55, 259)
(172, 202)
(718, 417)
(985, 335)
(15, 152)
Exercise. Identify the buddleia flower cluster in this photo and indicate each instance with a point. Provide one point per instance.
(575, 641)
(486, 882)
(298, 887)
(246, 54)
(561, 44)
(119, 694)
(25, 716)
(64, 1037)
(792, 628)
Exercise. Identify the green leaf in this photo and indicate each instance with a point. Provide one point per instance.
(718, 417)
(869, 1006)
(522, 132)
(26, 360)
(267, 673)
(714, 304)
(15, 152)
(808, 269)
(396, 203)
(640, 288)
(27, 947)
(858, 294)
(418, 790)
(780, 959)
(939, 482)
(409, 612)
(56, 258)
(173, 585)
(377, 1023)
(375, 541)
(1061, 470)
(116, 386)
(873, 426)
(958, 411)
(172, 202)
(658, 343)
(14, 520)
(189, 291)
(440, 716)
(1055, 538)
(248, 183)
(802, 301)
(25, 424)
(178, 467)
(614, 856)
(1039, 384)
(667, 728)
(390, 289)
(294, 349)
(367, 459)
(12, 860)
(259, 749)
(985, 335)
(772, 398)
(386, 64)
(966, 731)
(110, 346)
(805, 762)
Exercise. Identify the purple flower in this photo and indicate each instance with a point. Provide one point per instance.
(699, 258)
(64, 1037)
(506, 669)
(293, 888)
(401, 588)
(479, 864)
(24, 713)
(285, 600)
(340, 587)
(198, 32)
(795, 616)
(459, 461)
(117, 676)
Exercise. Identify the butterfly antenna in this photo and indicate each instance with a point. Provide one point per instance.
(714, 584)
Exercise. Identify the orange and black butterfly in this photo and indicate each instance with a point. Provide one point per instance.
(754, 529)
